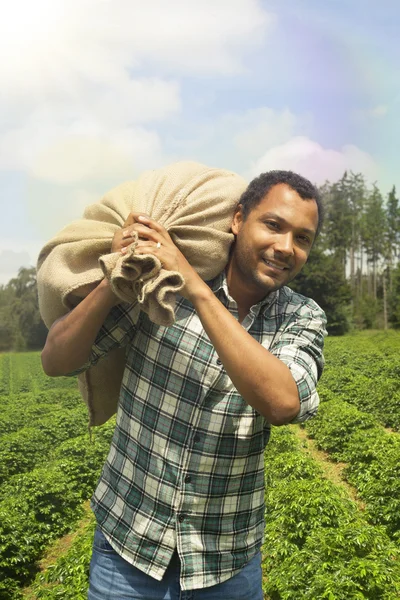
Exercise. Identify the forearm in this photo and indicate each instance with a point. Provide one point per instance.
(263, 380)
(71, 338)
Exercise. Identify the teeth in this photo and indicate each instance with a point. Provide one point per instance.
(274, 266)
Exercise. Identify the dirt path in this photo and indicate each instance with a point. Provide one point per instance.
(60, 547)
(332, 470)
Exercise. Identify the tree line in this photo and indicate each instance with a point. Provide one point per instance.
(21, 327)
(353, 271)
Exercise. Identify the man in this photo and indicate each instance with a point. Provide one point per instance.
(179, 504)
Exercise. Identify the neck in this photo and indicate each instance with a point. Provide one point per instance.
(240, 292)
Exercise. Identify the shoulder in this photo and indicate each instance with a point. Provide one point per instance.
(292, 305)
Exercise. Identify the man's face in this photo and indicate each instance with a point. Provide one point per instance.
(273, 243)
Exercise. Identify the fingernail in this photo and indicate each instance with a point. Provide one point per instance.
(125, 233)
(123, 250)
(143, 219)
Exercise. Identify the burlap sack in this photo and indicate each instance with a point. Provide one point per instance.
(193, 202)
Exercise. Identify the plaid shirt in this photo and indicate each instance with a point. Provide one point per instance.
(185, 469)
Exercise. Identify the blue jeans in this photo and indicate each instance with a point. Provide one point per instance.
(113, 578)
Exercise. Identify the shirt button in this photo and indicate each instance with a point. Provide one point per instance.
(218, 361)
(181, 518)
(188, 479)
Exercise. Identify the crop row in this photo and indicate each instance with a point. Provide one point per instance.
(365, 371)
(317, 542)
(22, 450)
(372, 456)
(21, 373)
(68, 577)
(39, 506)
(27, 409)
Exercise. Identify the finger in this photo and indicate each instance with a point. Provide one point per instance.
(128, 233)
(127, 242)
(154, 225)
(133, 218)
(147, 244)
(125, 245)
(153, 250)
(136, 230)
(144, 232)
(140, 245)
(119, 241)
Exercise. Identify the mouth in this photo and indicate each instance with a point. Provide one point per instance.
(275, 266)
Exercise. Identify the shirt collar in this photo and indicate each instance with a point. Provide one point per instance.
(220, 283)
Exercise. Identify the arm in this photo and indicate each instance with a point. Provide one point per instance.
(267, 383)
(300, 346)
(70, 338)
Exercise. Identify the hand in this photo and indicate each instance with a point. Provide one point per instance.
(123, 237)
(153, 238)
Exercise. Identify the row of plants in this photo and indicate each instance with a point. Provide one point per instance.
(318, 544)
(372, 456)
(29, 447)
(26, 409)
(22, 372)
(68, 577)
(38, 507)
(364, 370)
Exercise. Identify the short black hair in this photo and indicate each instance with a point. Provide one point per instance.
(261, 185)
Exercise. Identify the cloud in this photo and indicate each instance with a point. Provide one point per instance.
(50, 206)
(318, 164)
(10, 263)
(54, 45)
(93, 54)
(86, 76)
(237, 139)
(17, 252)
(110, 121)
(261, 129)
(85, 158)
(377, 112)
(75, 170)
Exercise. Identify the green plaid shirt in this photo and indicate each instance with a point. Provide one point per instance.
(185, 469)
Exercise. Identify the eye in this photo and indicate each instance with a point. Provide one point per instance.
(304, 239)
(272, 224)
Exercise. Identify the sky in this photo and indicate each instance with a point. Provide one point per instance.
(93, 92)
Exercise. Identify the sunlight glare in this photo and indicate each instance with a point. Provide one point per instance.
(28, 26)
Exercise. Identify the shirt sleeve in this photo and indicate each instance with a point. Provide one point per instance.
(300, 347)
(117, 331)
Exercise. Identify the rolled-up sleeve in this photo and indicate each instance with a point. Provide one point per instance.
(300, 346)
(117, 331)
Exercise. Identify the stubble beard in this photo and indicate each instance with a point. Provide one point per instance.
(252, 277)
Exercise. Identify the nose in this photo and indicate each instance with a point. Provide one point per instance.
(284, 244)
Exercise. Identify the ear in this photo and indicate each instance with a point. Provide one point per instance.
(237, 220)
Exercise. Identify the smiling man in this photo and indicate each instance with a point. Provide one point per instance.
(180, 502)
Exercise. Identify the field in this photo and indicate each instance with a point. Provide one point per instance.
(332, 486)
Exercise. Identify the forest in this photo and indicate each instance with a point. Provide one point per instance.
(353, 271)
